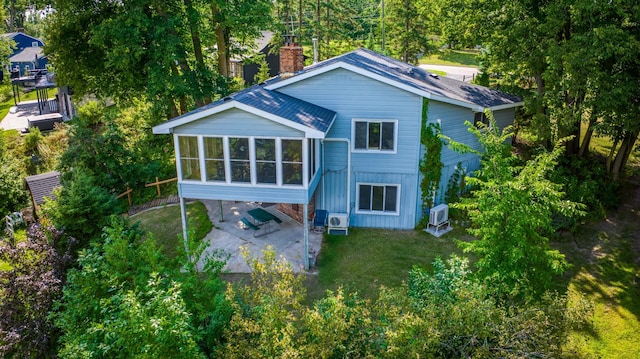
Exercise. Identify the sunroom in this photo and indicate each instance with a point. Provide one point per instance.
(256, 145)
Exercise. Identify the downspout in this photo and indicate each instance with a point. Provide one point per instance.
(348, 142)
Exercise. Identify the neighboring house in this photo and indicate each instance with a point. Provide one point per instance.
(30, 58)
(41, 186)
(28, 52)
(342, 135)
(243, 67)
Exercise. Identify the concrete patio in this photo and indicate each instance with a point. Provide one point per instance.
(229, 235)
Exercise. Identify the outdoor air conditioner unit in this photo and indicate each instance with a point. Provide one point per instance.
(439, 215)
(439, 220)
(338, 222)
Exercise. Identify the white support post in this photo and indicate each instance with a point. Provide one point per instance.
(306, 235)
(183, 212)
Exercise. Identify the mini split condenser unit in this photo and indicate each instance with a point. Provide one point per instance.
(438, 220)
(338, 223)
(439, 215)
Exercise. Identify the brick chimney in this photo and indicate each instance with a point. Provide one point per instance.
(291, 57)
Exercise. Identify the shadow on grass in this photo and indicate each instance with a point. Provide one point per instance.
(605, 258)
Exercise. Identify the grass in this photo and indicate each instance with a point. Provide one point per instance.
(166, 225)
(605, 256)
(469, 58)
(368, 258)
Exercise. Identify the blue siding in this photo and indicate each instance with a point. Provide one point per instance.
(355, 96)
(24, 40)
(244, 193)
(235, 122)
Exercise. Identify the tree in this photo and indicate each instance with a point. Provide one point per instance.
(12, 193)
(406, 30)
(31, 282)
(511, 210)
(119, 303)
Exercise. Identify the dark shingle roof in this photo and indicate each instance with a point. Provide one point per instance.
(42, 186)
(277, 104)
(417, 78)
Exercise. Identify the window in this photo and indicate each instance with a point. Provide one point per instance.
(378, 198)
(374, 135)
(292, 162)
(214, 158)
(239, 159)
(265, 160)
(189, 158)
(312, 158)
(479, 117)
(35, 44)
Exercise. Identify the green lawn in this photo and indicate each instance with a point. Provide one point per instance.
(469, 58)
(369, 258)
(166, 225)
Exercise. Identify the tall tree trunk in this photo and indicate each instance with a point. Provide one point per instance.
(586, 141)
(407, 24)
(221, 41)
(614, 146)
(197, 47)
(623, 154)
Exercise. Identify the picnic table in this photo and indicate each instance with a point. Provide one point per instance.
(262, 218)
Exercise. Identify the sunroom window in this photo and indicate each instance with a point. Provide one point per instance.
(239, 159)
(189, 158)
(265, 160)
(214, 158)
(292, 162)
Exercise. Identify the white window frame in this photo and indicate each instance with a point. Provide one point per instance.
(368, 121)
(176, 139)
(224, 159)
(384, 213)
(252, 161)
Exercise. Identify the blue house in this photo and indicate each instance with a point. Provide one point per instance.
(27, 53)
(341, 135)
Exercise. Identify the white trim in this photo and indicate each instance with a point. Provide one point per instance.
(204, 155)
(506, 106)
(305, 163)
(203, 171)
(367, 150)
(166, 127)
(383, 213)
(341, 65)
(252, 161)
(279, 162)
(227, 160)
(176, 146)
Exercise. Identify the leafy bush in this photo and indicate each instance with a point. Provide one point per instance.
(585, 180)
(82, 207)
(13, 195)
(29, 289)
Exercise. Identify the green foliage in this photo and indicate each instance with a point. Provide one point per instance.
(119, 303)
(457, 185)
(406, 27)
(585, 181)
(430, 165)
(511, 211)
(265, 312)
(13, 195)
(32, 278)
(441, 314)
(82, 207)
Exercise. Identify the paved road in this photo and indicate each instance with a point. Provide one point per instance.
(455, 72)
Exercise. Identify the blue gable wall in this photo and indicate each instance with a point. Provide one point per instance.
(354, 96)
(23, 40)
(235, 122)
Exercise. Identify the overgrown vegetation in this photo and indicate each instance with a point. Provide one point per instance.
(430, 165)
